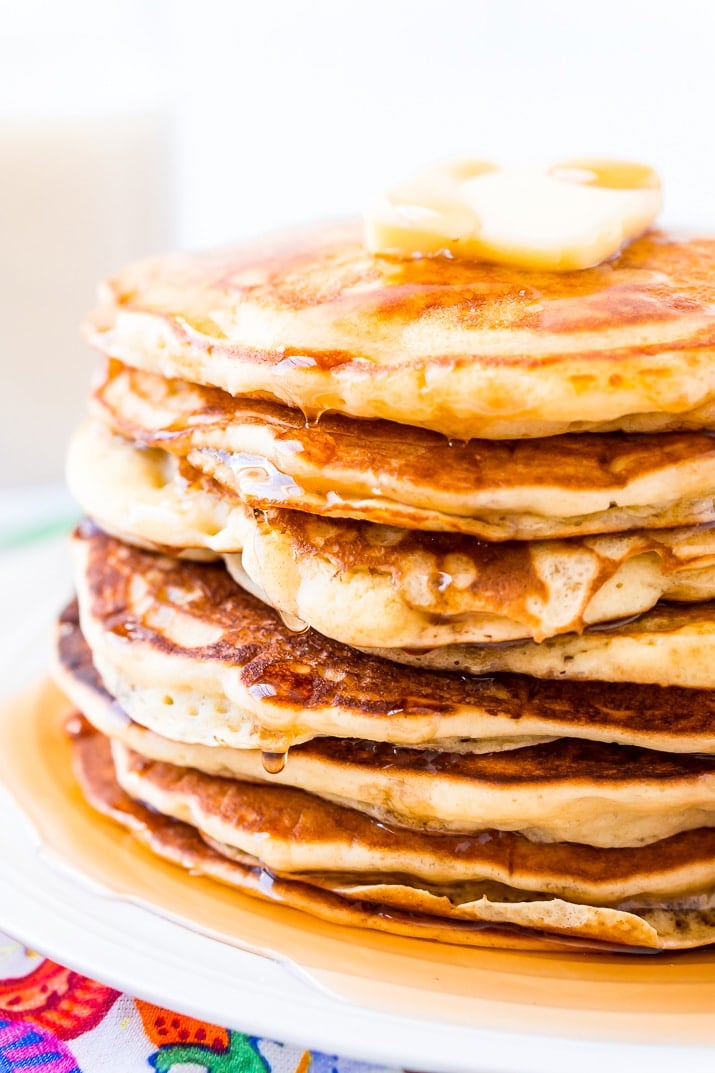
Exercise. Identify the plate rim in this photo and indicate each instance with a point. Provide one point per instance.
(308, 1016)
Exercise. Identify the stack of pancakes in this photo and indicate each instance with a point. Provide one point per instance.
(396, 597)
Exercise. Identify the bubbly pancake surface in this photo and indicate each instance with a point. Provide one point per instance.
(380, 471)
(469, 350)
(564, 790)
(160, 628)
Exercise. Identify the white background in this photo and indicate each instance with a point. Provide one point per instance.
(289, 111)
(131, 125)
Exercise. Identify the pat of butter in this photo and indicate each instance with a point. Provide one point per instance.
(571, 215)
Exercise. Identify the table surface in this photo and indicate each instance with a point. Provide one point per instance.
(55, 1020)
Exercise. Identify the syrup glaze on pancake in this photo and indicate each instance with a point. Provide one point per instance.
(181, 843)
(267, 455)
(301, 681)
(469, 350)
(182, 794)
(366, 584)
(567, 790)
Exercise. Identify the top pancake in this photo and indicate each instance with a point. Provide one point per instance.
(467, 349)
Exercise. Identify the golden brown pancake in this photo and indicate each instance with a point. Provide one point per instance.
(181, 843)
(367, 584)
(671, 645)
(364, 583)
(152, 498)
(469, 350)
(267, 455)
(242, 811)
(186, 719)
(193, 656)
(567, 790)
(378, 586)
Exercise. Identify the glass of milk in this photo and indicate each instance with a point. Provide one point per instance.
(85, 186)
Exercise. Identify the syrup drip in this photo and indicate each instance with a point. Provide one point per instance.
(273, 763)
(258, 478)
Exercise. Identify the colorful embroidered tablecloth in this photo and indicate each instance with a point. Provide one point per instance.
(54, 1020)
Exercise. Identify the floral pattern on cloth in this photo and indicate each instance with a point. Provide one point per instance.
(55, 1020)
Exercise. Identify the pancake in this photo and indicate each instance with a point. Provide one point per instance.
(189, 715)
(159, 501)
(398, 906)
(305, 834)
(151, 498)
(188, 653)
(469, 350)
(366, 584)
(267, 455)
(414, 473)
(378, 586)
(181, 843)
(670, 645)
(567, 790)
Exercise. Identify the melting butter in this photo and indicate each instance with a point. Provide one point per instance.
(571, 215)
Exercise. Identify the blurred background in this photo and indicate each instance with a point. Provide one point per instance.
(128, 127)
